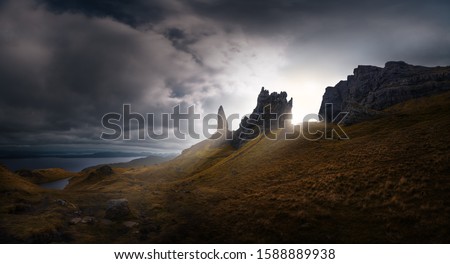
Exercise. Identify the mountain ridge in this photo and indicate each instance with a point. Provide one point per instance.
(371, 89)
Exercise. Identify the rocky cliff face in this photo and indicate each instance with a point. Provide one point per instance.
(371, 89)
(270, 108)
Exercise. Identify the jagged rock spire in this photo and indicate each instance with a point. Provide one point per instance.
(279, 107)
(222, 123)
(222, 127)
(277, 102)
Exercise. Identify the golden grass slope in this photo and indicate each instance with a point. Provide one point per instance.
(389, 183)
(40, 176)
(10, 181)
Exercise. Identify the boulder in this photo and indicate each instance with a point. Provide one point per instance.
(117, 209)
(130, 224)
(75, 220)
(88, 220)
(61, 202)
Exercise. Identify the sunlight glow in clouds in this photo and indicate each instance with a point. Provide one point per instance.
(67, 63)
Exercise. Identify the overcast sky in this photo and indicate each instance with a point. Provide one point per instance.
(64, 64)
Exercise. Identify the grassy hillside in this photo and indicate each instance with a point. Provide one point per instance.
(40, 176)
(390, 182)
(139, 162)
(11, 182)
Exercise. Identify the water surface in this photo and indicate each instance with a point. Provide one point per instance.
(56, 185)
(69, 164)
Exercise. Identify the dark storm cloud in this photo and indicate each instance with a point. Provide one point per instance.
(64, 64)
(181, 41)
(131, 12)
(380, 22)
(264, 15)
(374, 27)
(60, 73)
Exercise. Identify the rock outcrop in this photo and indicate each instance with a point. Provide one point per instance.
(104, 170)
(117, 209)
(98, 173)
(371, 89)
(270, 113)
(222, 124)
(222, 133)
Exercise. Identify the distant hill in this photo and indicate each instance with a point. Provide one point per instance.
(139, 162)
(31, 154)
(40, 176)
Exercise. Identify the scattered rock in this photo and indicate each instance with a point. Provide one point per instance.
(117, 209)
(130, 224)
(88, 220)
(61, 202)
(75, 220)
(78, 213)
